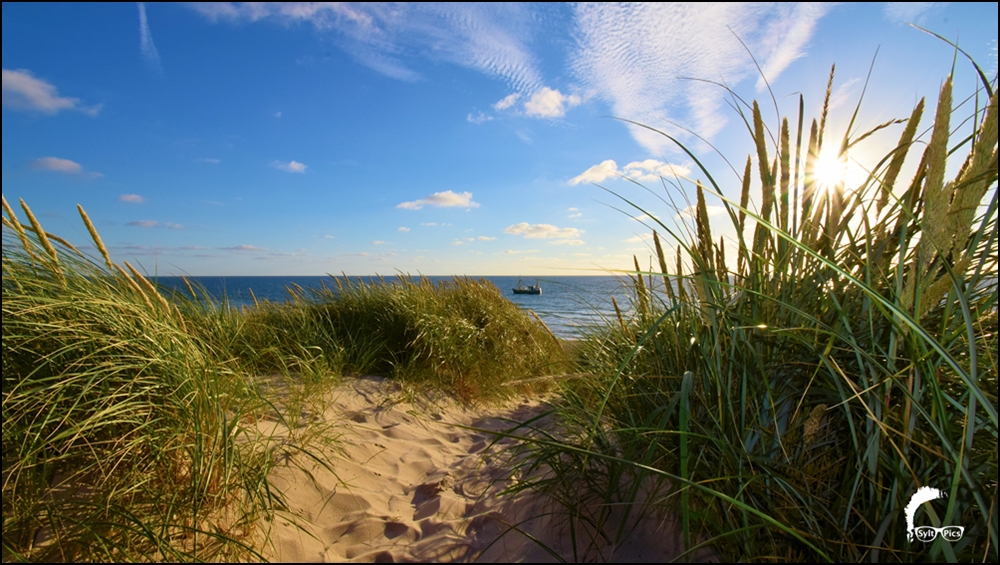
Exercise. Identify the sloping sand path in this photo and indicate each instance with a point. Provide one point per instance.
(410, 484)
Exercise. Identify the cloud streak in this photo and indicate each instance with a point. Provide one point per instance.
(146, 46)
(64, 166)
(446, 199)
(289, 167)
(149, 224)
(22, 91)
(543, 231)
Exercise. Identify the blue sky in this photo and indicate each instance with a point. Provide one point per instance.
(304, 139)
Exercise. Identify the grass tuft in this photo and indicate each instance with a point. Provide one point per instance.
(787, 409)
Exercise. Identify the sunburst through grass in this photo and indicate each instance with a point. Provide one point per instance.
(796, 395)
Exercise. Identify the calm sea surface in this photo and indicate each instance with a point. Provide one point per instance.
(568, 305)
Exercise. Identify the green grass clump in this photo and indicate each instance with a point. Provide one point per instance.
(462, 336)
(124, 436)
(130, 420)
(789, 400)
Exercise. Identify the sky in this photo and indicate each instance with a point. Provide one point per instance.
(451, 139)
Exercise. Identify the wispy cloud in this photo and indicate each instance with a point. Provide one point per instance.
(244, 247)
(692, 211)
(58, 165)
(446, 199)
(378, 242)
(649, 170)
(64, 166)
(490, 38)
(209, 160)
(289, 167)
(519, 251)
(146, 46)
(22, 91)
(132, 198)
(485, 238)
(908, 12)
(506, 101)
(478, 118)
(155, 224)
(543, 231)
(403, 229)
(635, 58)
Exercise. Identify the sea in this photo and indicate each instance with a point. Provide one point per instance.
(570, 306)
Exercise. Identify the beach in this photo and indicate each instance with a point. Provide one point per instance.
(418, 477)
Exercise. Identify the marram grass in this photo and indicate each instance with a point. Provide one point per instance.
(130, 418)
(787, 402)
(124, 437)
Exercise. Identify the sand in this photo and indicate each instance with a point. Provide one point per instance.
(408, 481)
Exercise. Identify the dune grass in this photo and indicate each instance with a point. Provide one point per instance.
(785, 403)
(132, 418)
(125, 437)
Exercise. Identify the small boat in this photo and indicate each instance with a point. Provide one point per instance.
(536, 289)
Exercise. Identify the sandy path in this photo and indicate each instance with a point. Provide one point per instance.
(411, 485)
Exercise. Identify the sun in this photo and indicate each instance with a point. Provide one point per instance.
(830, 169)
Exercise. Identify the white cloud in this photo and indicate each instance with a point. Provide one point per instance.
(428, 223)
(572, 209)
(458, 242)
(446, 199)
(634, 57)
(597, 173)
(478, 118)
(485, 238)
(58, 165)
(210, 160)
(519, 251)
(21, 91)
(328, 236)
(649, 170)
(403, 229)
(550, 103)
(543, 231)
(289, 167)
(378, 242)
(506, 101)
(146, 45)
(132, 198)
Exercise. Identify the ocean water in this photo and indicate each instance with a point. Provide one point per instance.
(569, 306)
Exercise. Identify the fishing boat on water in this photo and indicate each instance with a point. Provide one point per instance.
(521, 289)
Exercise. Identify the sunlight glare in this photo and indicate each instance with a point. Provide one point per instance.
(830, 169)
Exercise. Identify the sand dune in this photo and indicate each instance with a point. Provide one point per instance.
(409, 483)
